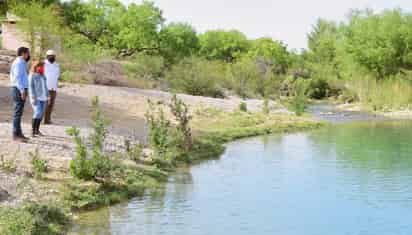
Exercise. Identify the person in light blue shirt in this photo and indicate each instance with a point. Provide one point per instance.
(19, 90)
(39, 95)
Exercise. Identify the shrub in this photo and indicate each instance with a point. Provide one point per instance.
(39, 165)
(243, 74)
(99, 165)
(253, 78)
(142, 66)
(181, 113)
(33, 219)
(80, 167)
(159, 129)
(298, 102)
(134, 152)
(318, 89)
(243, 107)
(170, 142)
(197, 76)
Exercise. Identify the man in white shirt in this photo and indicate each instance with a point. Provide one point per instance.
(52, 73)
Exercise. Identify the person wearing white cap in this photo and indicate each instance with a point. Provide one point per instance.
(52, 73)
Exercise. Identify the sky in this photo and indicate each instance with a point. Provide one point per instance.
(287, 20)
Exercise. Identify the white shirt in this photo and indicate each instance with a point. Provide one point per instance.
(52, 73)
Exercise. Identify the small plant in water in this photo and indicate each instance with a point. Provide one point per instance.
(39, 165)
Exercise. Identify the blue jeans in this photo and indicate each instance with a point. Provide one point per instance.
(38, 109)
(18, 110)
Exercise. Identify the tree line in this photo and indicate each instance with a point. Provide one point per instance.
(341, 57)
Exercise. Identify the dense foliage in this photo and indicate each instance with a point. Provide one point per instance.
(33, 219)
(340, 56)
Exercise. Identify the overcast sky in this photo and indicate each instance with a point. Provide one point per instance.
(287, 20)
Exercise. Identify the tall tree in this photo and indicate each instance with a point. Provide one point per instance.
(96, 19)
(178, 40)
(272, 53)
(40, 23)
(322, 41)
(138, 29)
(223, 45)
(381, 42)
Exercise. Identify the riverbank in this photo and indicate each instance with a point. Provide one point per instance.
(215, 121)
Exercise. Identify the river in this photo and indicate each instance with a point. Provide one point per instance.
(346, 179)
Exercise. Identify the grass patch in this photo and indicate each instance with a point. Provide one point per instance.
(394, 93)
(125, 183)
(213, 128)
(33, 219)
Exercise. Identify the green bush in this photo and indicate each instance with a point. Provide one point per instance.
(170, 142)
(99, 165)
(196, 76)
(318, 89)
(180, 112)
(33, 219)
(80, 167)
(298, 101)
(159, 130)
(142, 66)
(252, 78)
(134, 152)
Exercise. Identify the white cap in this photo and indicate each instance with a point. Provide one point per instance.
(50, 52)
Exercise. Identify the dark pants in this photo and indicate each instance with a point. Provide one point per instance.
(49, 107)
(18, 111)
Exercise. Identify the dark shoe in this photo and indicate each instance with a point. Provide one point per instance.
(33, 127)
(20, 138)
(24, 138)
(38, 122)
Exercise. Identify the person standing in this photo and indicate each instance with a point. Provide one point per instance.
(39, 95)
(52, 73)
(19, 90)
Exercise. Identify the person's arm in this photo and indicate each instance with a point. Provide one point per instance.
(58, 72)
(32, 89)
(19, 71)
(47, 88)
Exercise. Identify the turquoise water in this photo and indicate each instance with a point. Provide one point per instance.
(351, 179)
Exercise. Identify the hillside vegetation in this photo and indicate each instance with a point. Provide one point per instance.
(367, 58)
